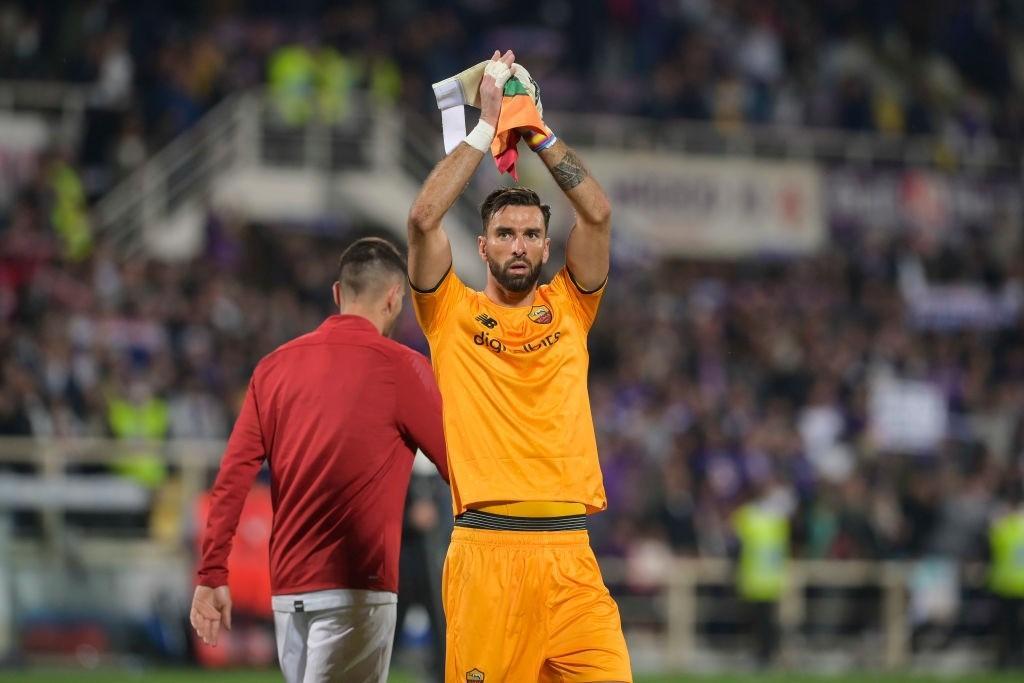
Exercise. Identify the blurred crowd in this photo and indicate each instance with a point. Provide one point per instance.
(175, 340)
(947, 68)
(743, 380)
(730, 380)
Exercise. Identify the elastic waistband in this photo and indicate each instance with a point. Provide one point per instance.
(476, 519)
(534, 508)
(330, 599)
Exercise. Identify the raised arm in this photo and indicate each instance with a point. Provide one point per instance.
(587, 252)
(430, 253)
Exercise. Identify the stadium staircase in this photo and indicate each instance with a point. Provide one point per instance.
(243, 160)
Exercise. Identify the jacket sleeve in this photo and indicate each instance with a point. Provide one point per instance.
(419, 409)
(242, 460)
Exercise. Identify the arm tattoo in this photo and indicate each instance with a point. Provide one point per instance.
(569, 172)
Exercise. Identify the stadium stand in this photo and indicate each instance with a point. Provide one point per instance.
(875, 382)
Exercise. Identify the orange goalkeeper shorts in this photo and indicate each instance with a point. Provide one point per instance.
(526, 606)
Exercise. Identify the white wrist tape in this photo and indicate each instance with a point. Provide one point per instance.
(481, 136)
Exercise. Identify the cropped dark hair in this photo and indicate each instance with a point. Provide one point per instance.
(512, 196)
(366, 261)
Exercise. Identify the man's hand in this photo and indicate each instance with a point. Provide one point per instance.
(211, 607)
(423, 515)
(492, 86)
(536, 140)
(430, 254)
(531, 85)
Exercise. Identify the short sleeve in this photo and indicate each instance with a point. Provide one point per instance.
(433, 306)
(584, 303)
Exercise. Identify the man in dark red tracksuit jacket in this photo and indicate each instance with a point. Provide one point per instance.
(338, 414)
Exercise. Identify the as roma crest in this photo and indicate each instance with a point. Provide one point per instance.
(541, 315)
(474, 676)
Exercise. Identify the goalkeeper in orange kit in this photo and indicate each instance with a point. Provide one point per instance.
(523, 593)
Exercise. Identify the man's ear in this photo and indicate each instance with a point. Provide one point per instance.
(336, 292)
(394, 298)
(481, 247)
(547, 250)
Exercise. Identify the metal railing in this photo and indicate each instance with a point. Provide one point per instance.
(422, 148)
(244, 131)
(680, 606)
(72, 563)
(180, 172)
(833, 614)
(61, 104)
(53, 477)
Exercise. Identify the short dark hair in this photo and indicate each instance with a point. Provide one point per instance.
(366, 261)
(512, 196)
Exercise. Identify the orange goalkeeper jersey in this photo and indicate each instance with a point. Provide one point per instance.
(513, 383)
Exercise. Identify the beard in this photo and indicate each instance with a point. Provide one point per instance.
(523, 282)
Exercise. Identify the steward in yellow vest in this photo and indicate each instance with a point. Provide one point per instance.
(1006, 580)
(762, 531)
(143, 418)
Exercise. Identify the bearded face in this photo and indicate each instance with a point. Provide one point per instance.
(517, 274)
(515, 247)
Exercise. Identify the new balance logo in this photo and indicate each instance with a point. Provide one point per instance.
(487, 321)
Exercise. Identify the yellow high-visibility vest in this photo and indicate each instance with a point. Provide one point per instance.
(1006, 538)
(764, 548)
(292, 75)
(149, 420)
(70, 215)
(336, 77)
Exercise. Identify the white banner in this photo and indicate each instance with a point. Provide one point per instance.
(906, 415)
(932, 203)
(703, 206)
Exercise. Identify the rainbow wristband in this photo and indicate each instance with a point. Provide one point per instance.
(541, 141)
